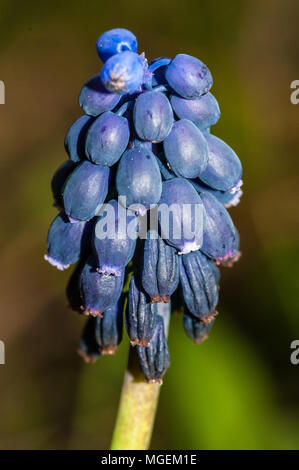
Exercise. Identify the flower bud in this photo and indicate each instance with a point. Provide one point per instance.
(109, 328)
(89, 348)
(73, 288)
(123, 73)
(199, 285)
(114, 41)
(154, 359)
(196, 330)
(140, 314)
(160, 272)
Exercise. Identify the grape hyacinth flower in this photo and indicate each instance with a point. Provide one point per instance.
(143, 207)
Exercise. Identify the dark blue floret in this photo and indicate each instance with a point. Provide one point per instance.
(115, 41)
(185, 226)
(89, 349)
(220, 237)
(58, 180)
(123, 73)
(95, 99)
(186, 149)
(154, 359)
(66, 241)
(160, 271)
(109, 328)
(138, 178)
(188, 76)
(141, 314)
(118, 226)
(73, 287)
(199, 285)
(224, 169)
(98, 291)
(196, 330)
(153, 116)
(75, 138)
(85, 190)
(203, 112)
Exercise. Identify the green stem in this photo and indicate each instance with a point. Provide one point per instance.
(137, 409)
(138, 405)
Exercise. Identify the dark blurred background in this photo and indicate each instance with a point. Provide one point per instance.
(238, 389)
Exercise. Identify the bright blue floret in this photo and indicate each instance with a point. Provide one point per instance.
(114, 42)
(123, 73)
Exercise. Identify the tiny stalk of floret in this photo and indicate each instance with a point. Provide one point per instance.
(137, 407)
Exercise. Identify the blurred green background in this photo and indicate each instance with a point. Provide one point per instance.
(238, 389)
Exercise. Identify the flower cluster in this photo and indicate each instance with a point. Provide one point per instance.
(144, 142)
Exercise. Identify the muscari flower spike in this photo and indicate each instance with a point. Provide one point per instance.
(144, 140)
